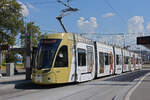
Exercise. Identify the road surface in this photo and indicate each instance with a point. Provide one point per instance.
(116, 87)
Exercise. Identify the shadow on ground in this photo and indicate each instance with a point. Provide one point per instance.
(30, 85)
(129, 77)
(121, 80)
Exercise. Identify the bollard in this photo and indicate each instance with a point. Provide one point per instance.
(10, 69)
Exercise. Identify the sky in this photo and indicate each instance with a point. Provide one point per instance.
(96, 17)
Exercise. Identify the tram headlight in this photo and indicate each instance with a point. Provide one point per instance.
(48, 79)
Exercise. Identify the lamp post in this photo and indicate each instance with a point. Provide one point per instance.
(0, 55)
(28, 54)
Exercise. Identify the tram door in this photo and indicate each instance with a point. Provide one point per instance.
(85, 61)
(90, 59)
(61, 67)
(82, 69)
(101, 62)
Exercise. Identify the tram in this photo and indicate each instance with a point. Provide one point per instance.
(118, 60)
(133, 61)
(68, 57)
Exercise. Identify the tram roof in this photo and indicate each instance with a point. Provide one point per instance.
(81, 38)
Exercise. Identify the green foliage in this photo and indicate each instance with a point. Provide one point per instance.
(3, 62)
(10, 57)
(11, 21)
(20, 66)
(33, 30)
(12, 24)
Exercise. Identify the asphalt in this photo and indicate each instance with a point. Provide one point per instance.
(107, 88)
(115, 87)
(7, 82)
(142, 92)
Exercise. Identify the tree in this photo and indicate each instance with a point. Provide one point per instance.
(11, 21)
(10, 57)
(33, 30)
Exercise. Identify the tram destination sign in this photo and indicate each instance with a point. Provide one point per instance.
(48, 41)
(143, 40)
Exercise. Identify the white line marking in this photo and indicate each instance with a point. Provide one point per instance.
(133, 89)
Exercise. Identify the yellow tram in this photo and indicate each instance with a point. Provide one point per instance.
(68, 57)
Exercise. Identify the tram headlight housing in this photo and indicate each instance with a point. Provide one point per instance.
(48, 79)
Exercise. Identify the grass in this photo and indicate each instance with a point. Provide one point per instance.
(3, 67)
(18, 66)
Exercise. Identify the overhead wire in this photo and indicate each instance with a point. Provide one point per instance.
(43, 2)
(106, 1)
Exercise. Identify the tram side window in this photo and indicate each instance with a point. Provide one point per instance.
(107, 59)
(137, 61)
(126, 60)
(117, 59)
(101, 62)
(120, 60)
(131, 60)
(62, 57)
(140, 61)
(81, 57)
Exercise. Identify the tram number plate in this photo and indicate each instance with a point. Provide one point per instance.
(38, 78)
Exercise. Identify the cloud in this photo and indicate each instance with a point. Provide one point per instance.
(135, 29)
(148, 26)
(30, 6)
(25, 10)
(87, 26)
(107, 15)
(135, 24)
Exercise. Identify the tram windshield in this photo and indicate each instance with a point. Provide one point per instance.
(46, 52)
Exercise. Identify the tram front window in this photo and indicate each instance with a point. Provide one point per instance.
(46, 52)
